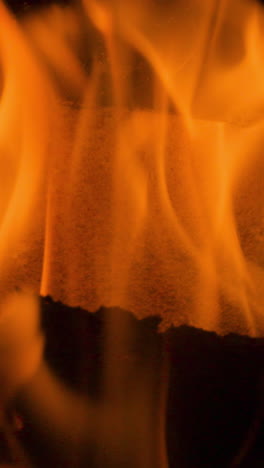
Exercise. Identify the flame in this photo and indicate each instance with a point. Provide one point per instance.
(135, 148)
(131, 141)
(24, 137)
(166, 230)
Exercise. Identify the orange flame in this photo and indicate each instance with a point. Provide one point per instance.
(131, 160)
(153, 133)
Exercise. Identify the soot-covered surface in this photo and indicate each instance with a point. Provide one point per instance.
(215, 393)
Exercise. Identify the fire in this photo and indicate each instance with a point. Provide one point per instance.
(129, 135)
(166, 232)
(131, 141)
(24, 136)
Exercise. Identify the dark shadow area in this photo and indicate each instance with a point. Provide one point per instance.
(25, 6)
(215, 394)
